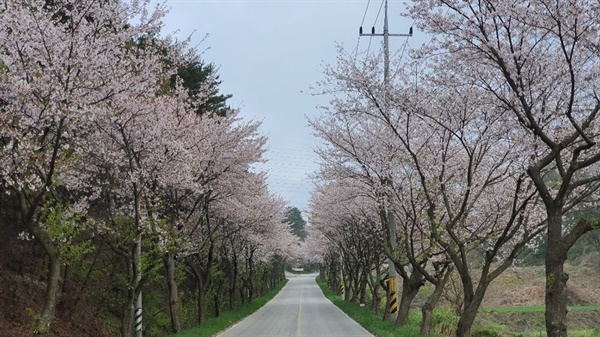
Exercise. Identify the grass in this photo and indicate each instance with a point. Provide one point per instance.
(372, 322)
(538, 308)
(214, 325)
(528, 321)
(572, 333)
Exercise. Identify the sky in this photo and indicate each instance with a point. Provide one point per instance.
(269, 54)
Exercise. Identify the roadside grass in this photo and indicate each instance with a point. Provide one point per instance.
(214, 325)
(372, 322)
(528, 321)
(572, 333)
(537, 308)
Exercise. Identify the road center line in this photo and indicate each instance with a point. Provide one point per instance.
(299, 322)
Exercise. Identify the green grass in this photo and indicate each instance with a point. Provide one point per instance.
(372, 322)
(572, 333)
(538, 309)
(215, 325)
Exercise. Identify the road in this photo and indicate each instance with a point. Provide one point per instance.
(300, 309)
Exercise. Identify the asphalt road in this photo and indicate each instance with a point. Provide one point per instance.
(300, 309)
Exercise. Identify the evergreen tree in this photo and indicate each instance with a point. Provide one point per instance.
(195, 75)
(294, 218)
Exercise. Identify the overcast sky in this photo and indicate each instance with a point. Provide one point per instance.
(269, 54)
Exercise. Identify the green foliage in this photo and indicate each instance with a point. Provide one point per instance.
(66, 230)
(32, 313)
(123, 228)
(152, 263)
(111, 323)
(588, 243)
(534, 256)
(35, 316)
(157, 321)
(196, 76)
(189, 309)
(294, 218)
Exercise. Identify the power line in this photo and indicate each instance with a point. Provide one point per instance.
(361, 24)
(373, 28)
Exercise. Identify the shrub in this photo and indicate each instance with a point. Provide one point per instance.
(444, 322)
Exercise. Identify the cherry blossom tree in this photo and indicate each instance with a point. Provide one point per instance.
(347, 218)
(97, 125)
(539, 61)
(449, 166)
(139, 151)
(362, 147)
(223, 150)
(477, 197)
(253, 231)
(61, 64)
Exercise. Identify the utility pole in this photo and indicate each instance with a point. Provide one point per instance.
(391, 220)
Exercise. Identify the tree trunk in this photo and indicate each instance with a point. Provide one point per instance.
(242, 295)
(556, 281)
(426, 311)
(467, 317)
(375, 299)
(134, 271)
(464, 326)
(431, 303)
(201, 302)
(42, 326)
(128, 315)
(375, 303)
(363, 290)
(217, 298)
(250, 290)
(386, 310)
(410, 288)
(233, 284)
(201, 286)
(556, 298)
(174, 309)
(466, 320)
